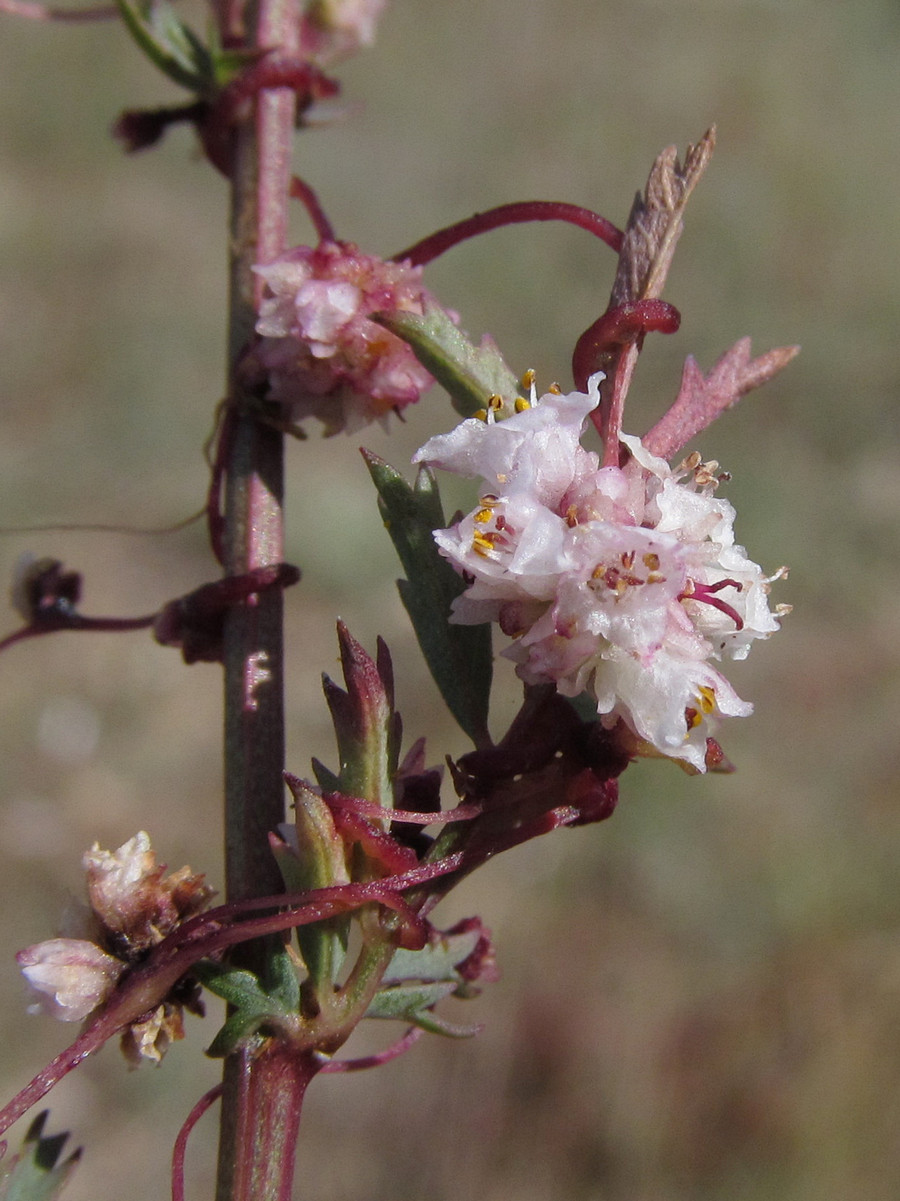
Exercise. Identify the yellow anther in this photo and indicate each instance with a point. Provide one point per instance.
(707, 698)
(555, 389)
(528, 378)
(495, 402)
(480, 415)
(483, 516)
(651, 561)
(522, 404)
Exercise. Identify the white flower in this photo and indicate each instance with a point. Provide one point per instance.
(72, 977)
(620, 581)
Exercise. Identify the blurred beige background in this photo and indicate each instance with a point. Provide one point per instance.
(701, 998)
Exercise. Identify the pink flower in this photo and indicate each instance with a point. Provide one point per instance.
(622, 582)
(322, 354)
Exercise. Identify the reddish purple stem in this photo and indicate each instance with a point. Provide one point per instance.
(378, 812)
(180, 1147)
(380, 1057)
(74, 621)
(300, 190)
(619, 326)
(510, 214)
(273, 71)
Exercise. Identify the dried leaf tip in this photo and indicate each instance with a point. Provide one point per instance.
(655, 222)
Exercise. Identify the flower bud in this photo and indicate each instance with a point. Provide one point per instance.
(72, 977)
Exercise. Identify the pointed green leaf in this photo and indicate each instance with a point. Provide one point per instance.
(433, 1024)
(414, 1004)
(34, 1173)
(244, 990)
(280, 981)
(234, 1034)
(471, 374)
(254, 1004)
(169, 44)
(366, 725)
(459, 657)
(318, 861)
(404, 1001)
(326, 779)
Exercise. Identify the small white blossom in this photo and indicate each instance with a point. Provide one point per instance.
(620, 581)
(72, 977)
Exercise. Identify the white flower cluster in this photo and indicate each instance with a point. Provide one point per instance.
(620, 581)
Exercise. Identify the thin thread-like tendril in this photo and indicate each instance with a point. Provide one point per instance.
(413, 1034)
(178, 1151)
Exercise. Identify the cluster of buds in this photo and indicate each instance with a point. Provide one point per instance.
(132, 907)
(321, 353)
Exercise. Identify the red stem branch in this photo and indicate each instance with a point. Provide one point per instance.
(511, 214)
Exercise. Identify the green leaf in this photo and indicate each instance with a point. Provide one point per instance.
(326, 779)
(170, 44)
(413, 1004)
(366, 725)
(236, 1032)
(471, 374)
(318, 862)
(435, 962)
(459, 657)
(238, 987)
(255, 1003)
(405, 1001)
(34, 1172)
(280, 981)
(433, 1024)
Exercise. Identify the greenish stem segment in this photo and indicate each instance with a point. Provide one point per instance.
(267, 1084)
(263, 1087)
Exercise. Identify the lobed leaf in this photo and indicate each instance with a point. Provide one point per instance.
(458, 657)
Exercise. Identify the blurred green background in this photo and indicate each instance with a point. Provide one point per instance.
(700, 998)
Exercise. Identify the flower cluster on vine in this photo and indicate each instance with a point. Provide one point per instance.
(622, 581)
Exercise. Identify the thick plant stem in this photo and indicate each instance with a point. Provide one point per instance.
(261, 1124)
(263, 1090)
